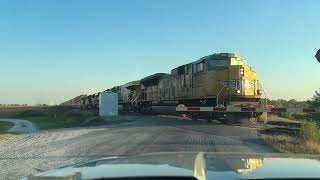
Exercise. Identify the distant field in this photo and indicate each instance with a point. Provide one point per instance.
(52, 117)
(4, 126)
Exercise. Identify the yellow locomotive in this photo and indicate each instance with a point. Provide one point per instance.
(217, 79)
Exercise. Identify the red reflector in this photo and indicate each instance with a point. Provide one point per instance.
(217, 109)
(278, 109)
(309, 110)
(248, 109)
(193, 109)
(270, 106)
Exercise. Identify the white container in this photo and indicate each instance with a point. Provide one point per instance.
(108, 104)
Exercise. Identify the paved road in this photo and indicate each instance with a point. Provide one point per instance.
(135, 135)
(20, 126)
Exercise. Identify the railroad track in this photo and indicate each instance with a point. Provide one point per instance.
(280, 130)
(281, 127)
(271, 127)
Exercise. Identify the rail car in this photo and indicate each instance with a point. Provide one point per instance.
(220, 79)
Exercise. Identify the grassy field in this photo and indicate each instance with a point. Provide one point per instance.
(300, 116)
(12, 112)
(307, 141)
(4, 126)
(292, 144)
(53, 117)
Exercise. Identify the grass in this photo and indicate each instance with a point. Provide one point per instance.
(59, 118)
(306, 142)
(94, 121)
(309, 132)
(303, 116)
(299, 116)
(5, 126)
(54, 117)
(10, 112)
(292, 144)
(7, 136)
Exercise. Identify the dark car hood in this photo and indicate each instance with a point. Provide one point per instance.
(198, 165)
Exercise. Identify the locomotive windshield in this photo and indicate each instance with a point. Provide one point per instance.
(217, 63)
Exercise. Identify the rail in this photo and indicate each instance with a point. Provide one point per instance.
(181, 108)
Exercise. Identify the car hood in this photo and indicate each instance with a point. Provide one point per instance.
(196, 164)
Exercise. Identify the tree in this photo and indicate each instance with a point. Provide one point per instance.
(315, 100)
(288, 103)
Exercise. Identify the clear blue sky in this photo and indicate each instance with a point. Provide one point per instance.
(52, 50)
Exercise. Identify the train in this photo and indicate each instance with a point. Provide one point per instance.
(219, 79)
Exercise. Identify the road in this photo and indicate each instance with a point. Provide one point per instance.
(20, 126)
(135, 135)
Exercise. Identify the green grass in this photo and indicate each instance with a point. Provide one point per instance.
(5, 126)
(44, 122)
(302, 116)
(10, 112)
(309, 132)
(58, 118)
(287, 115)
(54, 117)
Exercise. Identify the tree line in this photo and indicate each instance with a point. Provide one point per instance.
(313, 102)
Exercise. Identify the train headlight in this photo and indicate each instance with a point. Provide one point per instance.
(238, 91)
(241, 71)
(259, 92)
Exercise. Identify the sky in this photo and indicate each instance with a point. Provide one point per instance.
(54, 50)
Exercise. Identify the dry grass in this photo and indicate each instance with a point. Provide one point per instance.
(11, 112)
(306, 142)
(275, 117)
(7, 136)
(293, 117)
(290, 144)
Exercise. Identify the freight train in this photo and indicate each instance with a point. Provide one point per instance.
(220, 79)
